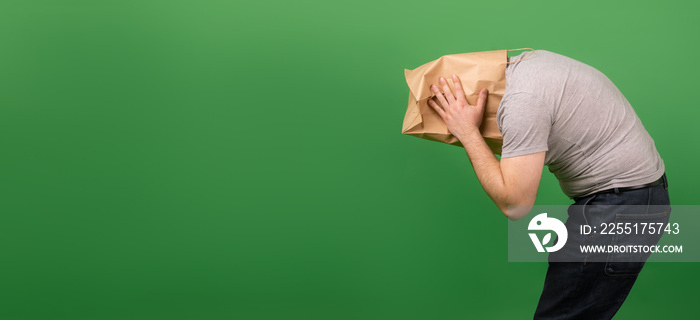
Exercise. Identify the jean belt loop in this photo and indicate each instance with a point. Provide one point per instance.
(665, 181)
(617, 191)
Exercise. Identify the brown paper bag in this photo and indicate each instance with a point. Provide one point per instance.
(476, 70)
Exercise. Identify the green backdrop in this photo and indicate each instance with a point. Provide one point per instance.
(243, 160)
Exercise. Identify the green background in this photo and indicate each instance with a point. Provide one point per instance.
(243, 160)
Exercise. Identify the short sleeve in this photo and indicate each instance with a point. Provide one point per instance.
(525, 123)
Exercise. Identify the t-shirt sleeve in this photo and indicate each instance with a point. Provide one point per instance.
(525, 124)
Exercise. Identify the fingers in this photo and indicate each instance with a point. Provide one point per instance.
(438, 94)
(459, 90)
(448, 91)
(437, 108)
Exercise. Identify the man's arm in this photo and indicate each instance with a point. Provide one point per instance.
(512, 181)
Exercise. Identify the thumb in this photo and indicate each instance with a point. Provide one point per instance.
(481, 103)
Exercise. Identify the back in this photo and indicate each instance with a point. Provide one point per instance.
(593, 138)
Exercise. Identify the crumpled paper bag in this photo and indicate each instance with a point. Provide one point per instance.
(476, 70)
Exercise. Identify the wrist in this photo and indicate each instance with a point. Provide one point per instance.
(469, 133)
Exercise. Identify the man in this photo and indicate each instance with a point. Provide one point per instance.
(562, 113)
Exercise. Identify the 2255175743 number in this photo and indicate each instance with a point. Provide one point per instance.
(639, 228)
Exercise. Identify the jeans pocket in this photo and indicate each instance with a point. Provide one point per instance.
(613, 268)
(633, 239)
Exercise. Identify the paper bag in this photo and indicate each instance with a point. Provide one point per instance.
(476, 70)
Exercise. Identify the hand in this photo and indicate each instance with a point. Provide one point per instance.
(459, 116)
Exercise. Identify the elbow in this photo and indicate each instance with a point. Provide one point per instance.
(515, 212)
(517, 203)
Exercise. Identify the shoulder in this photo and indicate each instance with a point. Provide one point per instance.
(519, 100)
(521, 106)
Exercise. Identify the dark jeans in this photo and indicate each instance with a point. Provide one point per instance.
(596, 290)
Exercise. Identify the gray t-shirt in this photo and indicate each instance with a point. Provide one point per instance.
(593, 138)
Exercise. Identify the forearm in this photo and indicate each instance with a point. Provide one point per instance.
(487, 168)
(512, 181)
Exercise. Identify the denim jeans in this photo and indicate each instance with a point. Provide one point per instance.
(596, 290)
